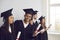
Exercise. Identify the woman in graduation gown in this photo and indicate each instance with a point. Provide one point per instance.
(7, 29)
(35, 23)
(43, 30)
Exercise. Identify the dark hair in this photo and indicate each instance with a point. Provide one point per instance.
(41, 22)
(6, 24)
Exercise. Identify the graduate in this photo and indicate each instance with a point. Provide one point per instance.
(7, 29)
(35, 23)
(42, 32)
(24, 27)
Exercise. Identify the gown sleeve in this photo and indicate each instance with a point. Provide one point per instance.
(2, 34)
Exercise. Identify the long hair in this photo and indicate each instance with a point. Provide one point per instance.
(6, 24)
(44, 25)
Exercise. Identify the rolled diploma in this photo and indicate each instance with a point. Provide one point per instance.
(19, 33)
(38, 27)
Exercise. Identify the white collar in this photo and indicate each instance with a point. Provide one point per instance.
(10, 29)
(25, 24)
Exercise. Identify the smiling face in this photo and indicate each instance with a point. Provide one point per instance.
(11, 19)
(27, 17)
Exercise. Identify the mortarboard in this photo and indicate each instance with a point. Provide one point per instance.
(6, 14)
(35, 12)
(28, 11)
(41, 18)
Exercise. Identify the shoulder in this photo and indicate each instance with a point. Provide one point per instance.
(17, 21)
(2, 27)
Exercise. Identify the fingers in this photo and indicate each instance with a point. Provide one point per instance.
(17, 39)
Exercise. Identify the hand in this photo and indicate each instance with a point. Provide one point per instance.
(49, 25)
(42, 31)
(17, 39)
(35, 33)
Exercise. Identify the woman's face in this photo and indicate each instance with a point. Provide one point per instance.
(43, 21)
(35, 16)
(11, 19)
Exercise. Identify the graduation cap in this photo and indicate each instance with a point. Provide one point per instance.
(28, 11)
(35, 12)
(42, 17)
(6, 14)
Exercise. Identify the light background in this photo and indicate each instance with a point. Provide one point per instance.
(43, 6)
(18, 6)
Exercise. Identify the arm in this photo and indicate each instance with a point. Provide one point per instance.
(44, 29)
(36, 31)
(41, 31)
(47, 27)
(17, 29)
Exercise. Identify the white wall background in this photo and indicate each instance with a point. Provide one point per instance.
(19, 5)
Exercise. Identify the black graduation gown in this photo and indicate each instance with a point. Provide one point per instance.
(5, 34)
(26, 33)
(35, 25)
(43, 36)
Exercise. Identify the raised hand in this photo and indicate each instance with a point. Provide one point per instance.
(49, 25)
(42, 31)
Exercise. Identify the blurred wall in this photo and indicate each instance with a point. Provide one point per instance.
(54, 37)
(19, 5)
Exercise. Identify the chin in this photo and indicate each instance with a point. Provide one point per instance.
(27, 20)
(11, 22)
